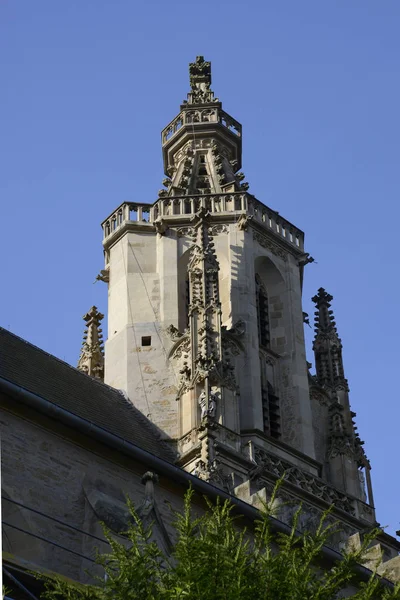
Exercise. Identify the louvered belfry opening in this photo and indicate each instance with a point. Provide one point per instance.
(270, 400)
(274, 415)
(271, 411)
(264, 337)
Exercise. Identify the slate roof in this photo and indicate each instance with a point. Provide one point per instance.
(51, 378)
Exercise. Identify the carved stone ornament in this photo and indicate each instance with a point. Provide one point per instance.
(161, 226)
(200, 82)
(305, 260)
(201, 470)
(238, 329)
(218, 229)
(173, 333)
(220, 478)
(108, 507)
(270, 463)
(148, 512)
(186, 231)
(340, 441)
(104, 276)
(267, 243)
(243, 222)
(212, 405)
(319, 396)
(203, 404)
(231, 344)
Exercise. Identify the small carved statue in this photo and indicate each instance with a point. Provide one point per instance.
(212, 406)
(203, 404)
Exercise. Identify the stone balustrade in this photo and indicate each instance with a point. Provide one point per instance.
(274, 222)
(201, 115)
(180, 208)
(127, 211)
(189, 205)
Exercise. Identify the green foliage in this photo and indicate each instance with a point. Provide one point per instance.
(216, 559)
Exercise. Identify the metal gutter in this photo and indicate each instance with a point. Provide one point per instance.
(158, 464)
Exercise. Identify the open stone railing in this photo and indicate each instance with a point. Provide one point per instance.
(203, 115)
(317, 487)
(181, 208)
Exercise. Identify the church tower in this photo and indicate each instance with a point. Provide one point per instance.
(205, 326)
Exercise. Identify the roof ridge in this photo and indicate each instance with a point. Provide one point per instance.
(145, 420)
(117, 396)
(71, 412)
(75, 369)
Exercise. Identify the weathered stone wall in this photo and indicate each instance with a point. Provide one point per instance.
(49, 472)
(143, 301)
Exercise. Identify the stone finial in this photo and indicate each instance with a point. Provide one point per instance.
(324, 320)
(200, 71)
(149, 476)
(200, 82)
(91, 360)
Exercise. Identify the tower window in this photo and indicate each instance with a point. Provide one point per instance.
(146, 340)
(202, 166)
(271, 413)
(262, 314)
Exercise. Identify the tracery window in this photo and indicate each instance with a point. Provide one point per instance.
(264, 337)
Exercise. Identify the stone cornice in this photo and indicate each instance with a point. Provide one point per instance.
(282, 446)
(261, 234)
(126, 227)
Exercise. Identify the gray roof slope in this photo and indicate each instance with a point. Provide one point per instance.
(51, 378)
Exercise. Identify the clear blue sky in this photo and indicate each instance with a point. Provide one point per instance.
(87, 86)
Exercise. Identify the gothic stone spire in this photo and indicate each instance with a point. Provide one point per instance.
(91, 360)
(343, 439)
(327, 345)
(202, 146)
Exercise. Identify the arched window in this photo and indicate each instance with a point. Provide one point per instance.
(262, 314)
(183, 291)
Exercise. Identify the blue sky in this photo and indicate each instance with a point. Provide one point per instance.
(89, 84)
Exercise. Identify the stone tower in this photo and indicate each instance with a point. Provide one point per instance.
(205, 326)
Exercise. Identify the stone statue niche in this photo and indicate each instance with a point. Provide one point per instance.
(208, 406)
